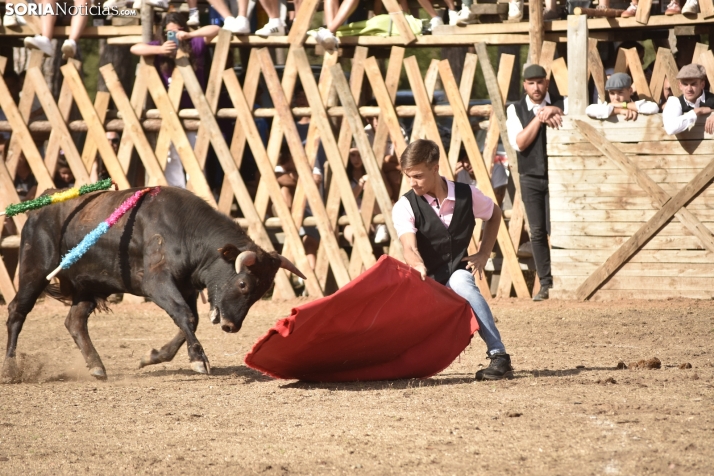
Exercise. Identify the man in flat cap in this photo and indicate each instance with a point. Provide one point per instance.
(619, 90)
(527, 120)
(680, 113)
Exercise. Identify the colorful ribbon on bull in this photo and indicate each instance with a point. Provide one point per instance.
(43, 201)
(93, 236)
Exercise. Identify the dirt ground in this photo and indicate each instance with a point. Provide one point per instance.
(568, 411)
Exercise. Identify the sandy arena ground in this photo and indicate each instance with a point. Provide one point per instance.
(568, 411)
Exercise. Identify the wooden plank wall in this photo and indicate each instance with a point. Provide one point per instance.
(596, 208)
(330, 96)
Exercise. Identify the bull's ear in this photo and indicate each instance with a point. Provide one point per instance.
(229, 252)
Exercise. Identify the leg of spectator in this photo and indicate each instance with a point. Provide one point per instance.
(311, 245)
(221, 7)
(48, 21)
(345, 10)
(462, 283)
(534, 191)
(428, 7)
(276, 25)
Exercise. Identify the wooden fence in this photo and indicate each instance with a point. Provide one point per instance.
(332, 95)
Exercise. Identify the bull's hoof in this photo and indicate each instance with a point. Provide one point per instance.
(10, 371)
(98, 373)
(150, 359)
(201, 367)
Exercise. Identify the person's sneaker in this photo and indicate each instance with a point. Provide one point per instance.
(9, 21)
(237, 25)
(542, 294)
(159, 4)
(69, 49)
(630, 12)
(690, 8)
(550, 14)
(327, 39)
(274, 27)
(673, 8)
(453, 16)
(39, 42)
(434, 22)
(515, 11)
(194, 19)
(466, 17)
(499, 368)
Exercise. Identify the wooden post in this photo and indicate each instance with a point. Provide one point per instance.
(535, 30)
(577, 64)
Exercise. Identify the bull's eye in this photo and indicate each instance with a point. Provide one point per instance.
(242, 285)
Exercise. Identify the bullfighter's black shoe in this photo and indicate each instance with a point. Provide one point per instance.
(499, 368)
(542, 294)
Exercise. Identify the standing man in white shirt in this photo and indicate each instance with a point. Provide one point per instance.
(526, 124)
(619, 90)
(681, 113)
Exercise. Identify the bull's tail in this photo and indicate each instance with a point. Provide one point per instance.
(54, 291)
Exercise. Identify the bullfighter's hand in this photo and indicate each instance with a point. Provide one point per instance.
(476, 263)
(421, 269)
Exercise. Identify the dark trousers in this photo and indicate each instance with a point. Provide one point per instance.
(536, 198)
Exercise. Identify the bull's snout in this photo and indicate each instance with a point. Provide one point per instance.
(229, 327)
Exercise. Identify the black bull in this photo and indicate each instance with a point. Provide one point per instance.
(167, 248)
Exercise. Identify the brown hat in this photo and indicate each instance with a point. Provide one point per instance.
(692, 71)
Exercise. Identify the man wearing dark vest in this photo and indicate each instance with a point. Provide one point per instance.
(681, 113)
(435, 222)
(526, 125)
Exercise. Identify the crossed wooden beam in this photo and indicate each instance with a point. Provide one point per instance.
(332, 87)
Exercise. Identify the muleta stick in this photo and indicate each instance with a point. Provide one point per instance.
(43, 201)
(93, 236)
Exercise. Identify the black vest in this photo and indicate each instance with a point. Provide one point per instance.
(443, 248)
(533, 160)
(708, 102)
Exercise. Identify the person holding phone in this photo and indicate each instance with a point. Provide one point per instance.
(174, 36)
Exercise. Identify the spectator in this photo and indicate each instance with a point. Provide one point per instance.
(631, 11)
(357, 174)
(460, 17)
(25, 182)
(240, 25)
(691, 7)
(619, 89)
(681, 113)
(64, 178)
(9, 21)
(43, 42)
(527, 120)
(194, 44)
(464, 173)
(288, 178)
(98, 171)
(515, 10)
(390, 164)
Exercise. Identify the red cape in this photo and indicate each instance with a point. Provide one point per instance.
(386, 324)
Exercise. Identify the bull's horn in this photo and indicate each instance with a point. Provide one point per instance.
(285, 263)
(246, 258)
